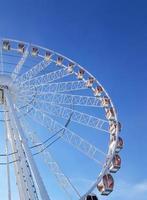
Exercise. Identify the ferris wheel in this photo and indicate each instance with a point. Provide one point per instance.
(61, 127)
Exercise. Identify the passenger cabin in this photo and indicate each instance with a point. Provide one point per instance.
(106, 185)
(120, 145)
(91, 197)
(6, 45)
(59, 60)
(35, 51)
(114, 127)
(115, 164)
(47, 56)
(110, 115)
(21, 48)
(105, 101)
(70, 67)
(98, 91)
(80, 74)
(90, 82)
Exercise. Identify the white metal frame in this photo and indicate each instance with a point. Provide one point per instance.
(26, 84)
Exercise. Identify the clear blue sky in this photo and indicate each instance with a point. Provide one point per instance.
(110, 39)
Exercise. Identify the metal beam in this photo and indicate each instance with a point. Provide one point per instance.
(18, 172)
(8, 168)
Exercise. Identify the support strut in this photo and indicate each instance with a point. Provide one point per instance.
(20, 135)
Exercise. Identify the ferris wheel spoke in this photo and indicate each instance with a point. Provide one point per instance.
(67, 99)
(64, 112)
(47, 78)
(55, 87)
(77, 116)
(20, 63)
(33, 71)
(68, 136)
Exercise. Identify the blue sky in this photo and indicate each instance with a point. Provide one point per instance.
(109, 38)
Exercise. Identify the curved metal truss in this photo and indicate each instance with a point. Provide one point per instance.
(42, 90)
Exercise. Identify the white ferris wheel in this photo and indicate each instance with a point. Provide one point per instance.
(61, 131)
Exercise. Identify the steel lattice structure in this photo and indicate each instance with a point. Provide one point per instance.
(40, 86)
